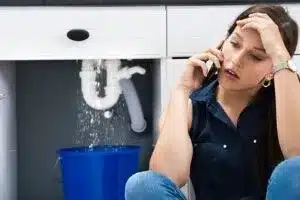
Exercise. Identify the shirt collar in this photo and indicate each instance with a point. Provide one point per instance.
(205, 94)
(208, 93)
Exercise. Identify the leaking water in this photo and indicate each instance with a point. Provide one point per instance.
(94, 127)
(112, 126)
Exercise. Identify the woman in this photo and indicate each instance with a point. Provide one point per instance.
(226, 135)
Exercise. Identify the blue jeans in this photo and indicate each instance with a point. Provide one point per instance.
(284, 184)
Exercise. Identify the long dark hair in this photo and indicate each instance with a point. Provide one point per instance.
(268, 151)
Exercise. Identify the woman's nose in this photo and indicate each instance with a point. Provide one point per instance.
(237, 60)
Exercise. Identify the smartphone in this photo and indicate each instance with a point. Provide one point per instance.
(213, 70)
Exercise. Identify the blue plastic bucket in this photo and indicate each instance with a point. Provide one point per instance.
(97, 173)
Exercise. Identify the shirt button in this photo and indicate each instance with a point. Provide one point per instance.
(254, 141)
(224, 146)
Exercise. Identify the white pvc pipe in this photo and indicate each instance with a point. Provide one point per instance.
(90, 94)
(116, 78)
(138, 122)
(88, 86)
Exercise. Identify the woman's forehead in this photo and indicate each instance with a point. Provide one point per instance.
(249, 37)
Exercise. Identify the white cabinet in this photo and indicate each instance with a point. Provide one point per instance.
(193, 29)
(40, 33)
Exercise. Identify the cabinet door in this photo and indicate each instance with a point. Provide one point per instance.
(192, 29)
(40, 33)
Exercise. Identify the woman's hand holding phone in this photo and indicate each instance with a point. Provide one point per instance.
(198, 66)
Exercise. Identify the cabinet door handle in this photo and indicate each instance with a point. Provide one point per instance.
(78, 34)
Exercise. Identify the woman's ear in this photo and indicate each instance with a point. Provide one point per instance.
(270, 76)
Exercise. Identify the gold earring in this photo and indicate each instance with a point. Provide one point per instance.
(266, 82)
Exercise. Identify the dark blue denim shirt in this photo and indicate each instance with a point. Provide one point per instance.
(224, 164)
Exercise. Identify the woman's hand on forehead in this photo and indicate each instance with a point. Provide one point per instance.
(269, 33)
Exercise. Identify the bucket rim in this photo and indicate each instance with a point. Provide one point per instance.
(98, 149)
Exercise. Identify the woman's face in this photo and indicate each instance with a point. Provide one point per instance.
(245, 62)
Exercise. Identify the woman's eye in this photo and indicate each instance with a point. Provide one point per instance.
(234, 44)
(253, 57)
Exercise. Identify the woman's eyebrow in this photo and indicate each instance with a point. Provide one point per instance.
(260, 49)
(238, 35)
(256, 48)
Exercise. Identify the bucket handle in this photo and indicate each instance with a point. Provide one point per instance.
(56, 171)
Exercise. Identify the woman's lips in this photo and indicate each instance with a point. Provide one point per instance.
(231, 74)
